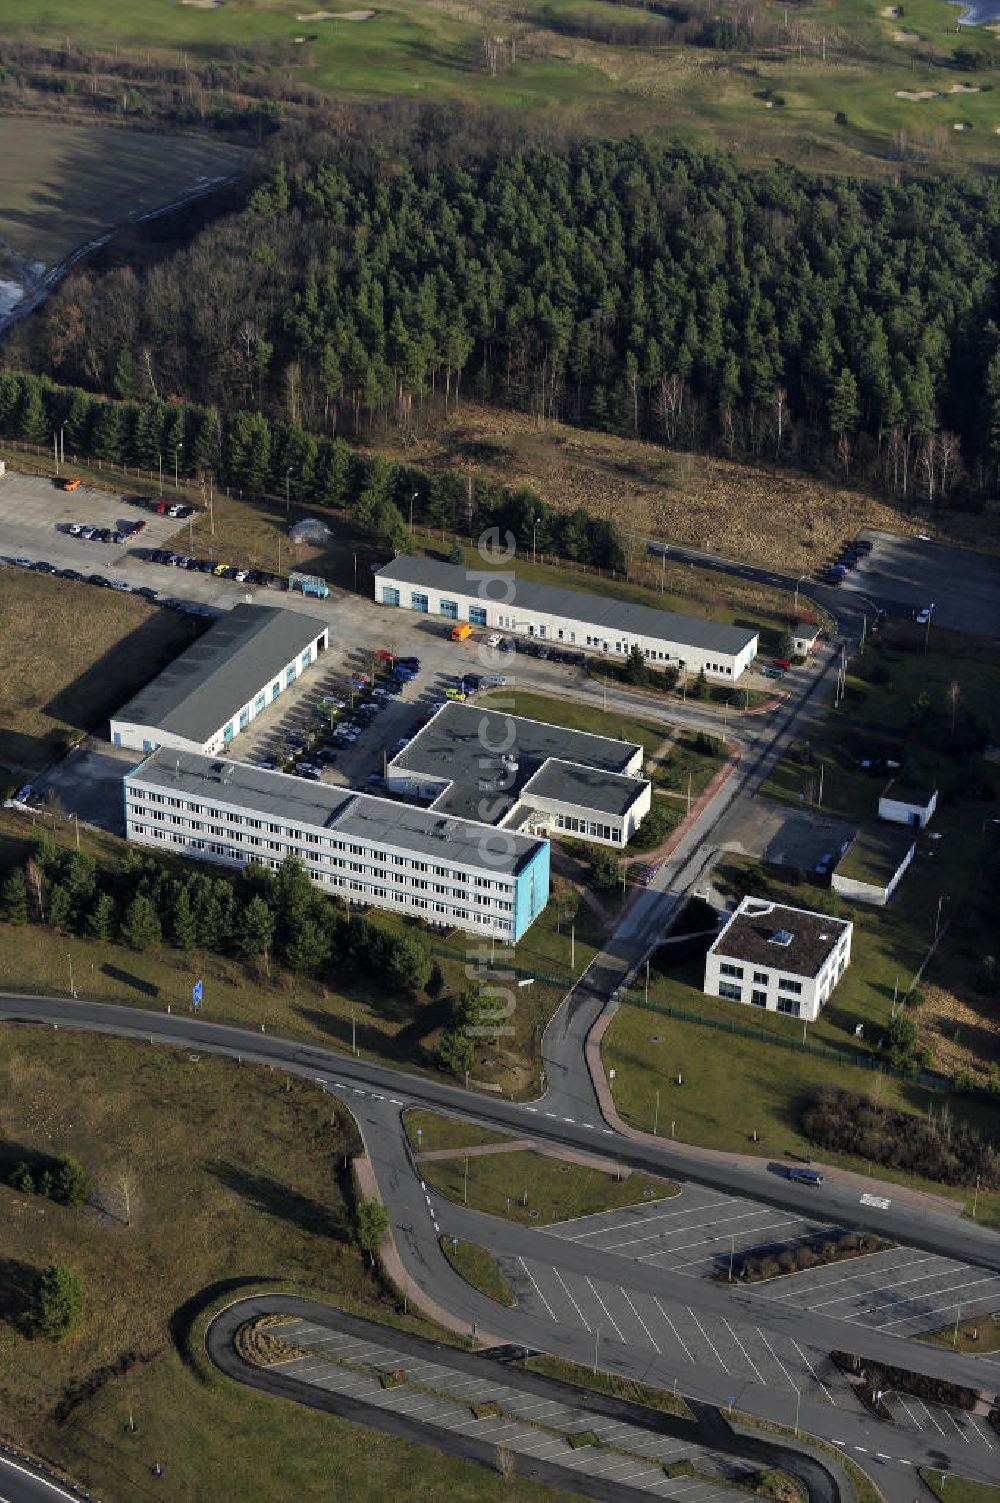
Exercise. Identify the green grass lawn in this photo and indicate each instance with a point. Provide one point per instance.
(535, 1189)
(951, 1489)
(732, 1087)
(72, 656)
(577, 717)
(978, 1336)
(838, 58)
(206, 1175)
(429, 1131)
(609, 1383)
(479, 1268)
(62, 184)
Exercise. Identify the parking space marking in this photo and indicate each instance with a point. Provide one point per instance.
(631, 1305)
(604, 1307)
(572, 1301)
(541, 1296)
(812, 1370)
(794, 1386)
(677, 1335)
(707, 1337)
(743, 1349)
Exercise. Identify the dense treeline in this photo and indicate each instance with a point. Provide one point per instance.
(252, 454)
(648, 290)
(254, 916)
(937, 1148)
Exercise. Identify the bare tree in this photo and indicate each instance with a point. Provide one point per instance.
(37, 892)
(949, 451)
(780, 417)
(954, 693)
(844, 453)
(668, 405)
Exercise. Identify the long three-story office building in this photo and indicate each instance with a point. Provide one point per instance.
(372, 852)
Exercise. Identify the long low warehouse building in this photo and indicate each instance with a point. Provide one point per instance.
(369, 851)
(506, 603)
(214, 689)
(524, 774)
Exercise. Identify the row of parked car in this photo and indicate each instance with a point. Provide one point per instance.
(91, 534)
(187, 607)
(162, 508)
(848, 558)
(209, 566)
(536, 649)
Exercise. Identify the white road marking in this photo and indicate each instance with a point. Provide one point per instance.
(707, 1337)
(742, 1348)
(628, 1301)
(815, 1374)
(604, 1307)
(784, 1369)
(677, 1335)
(572, 1301)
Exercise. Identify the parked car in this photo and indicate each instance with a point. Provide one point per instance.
(44, 568)
(97, 579)
(71, 483)
(782, 663)
(773, 673)
(493, 640)
(70, 574)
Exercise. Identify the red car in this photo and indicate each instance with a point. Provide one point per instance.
(137, 526)
(385, 656)
(162, 507)
(782, 663)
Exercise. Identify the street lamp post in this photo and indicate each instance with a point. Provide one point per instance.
(797, 583)
(927, 627)
(412, 499)
(159, 459)
(177, 456)
(69, 962)
(944, 898)
(798, 1401)
(975, 1199)
(534, 531)
(287, 500)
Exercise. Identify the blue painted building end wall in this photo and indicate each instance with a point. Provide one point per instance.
(531, 890)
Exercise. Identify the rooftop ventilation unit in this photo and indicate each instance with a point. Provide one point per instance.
(781, 937)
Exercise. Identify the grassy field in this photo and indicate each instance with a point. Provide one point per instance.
(62, 185)
(951, 1489)
(823, 89)
(609, 1383)
(398, 1029)
(538, 1190)
(73, 654)
(957, 1021)
(429, 1131)
(978, 1337)
(206, 1177)
(769, 1084)
(479, 1268)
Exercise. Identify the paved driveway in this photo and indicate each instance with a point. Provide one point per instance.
(905, 574)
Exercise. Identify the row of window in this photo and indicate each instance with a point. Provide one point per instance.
(761, 978)
(380, 896)
(734, 993)
(589, 827)
(310, 837)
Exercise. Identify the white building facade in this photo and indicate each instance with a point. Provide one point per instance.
(369, 851)
(243, 663)
(570, 618)
(778, 958)
(902, 805)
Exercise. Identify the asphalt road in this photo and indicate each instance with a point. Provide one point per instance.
(22, 1482)
(709, 1429)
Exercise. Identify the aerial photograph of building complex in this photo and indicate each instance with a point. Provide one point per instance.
(500, 752)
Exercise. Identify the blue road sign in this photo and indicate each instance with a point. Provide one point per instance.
(196, 993)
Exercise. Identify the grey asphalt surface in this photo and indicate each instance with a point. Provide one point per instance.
(22, 1482)
(480, 1377)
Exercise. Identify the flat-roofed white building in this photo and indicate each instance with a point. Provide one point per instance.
(595, 623)
(369, 851)
(908, 804)
(205, 697)
(779, 958)
(524, 774)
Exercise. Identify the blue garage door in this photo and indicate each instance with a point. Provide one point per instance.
(449, 608)
(477, 615)
(418, 602)
(389, 595)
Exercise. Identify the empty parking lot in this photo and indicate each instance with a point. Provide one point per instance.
(906, 574)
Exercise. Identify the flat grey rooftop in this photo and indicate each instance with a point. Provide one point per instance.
(464, 745)
(589, 788)
(224, 670)
(576, 605)
(296, 802)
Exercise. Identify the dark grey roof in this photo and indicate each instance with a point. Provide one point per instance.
(606, 611)
(569, 783)
(459, 746)
(209, 683)
(296, 802)
(754, 937)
